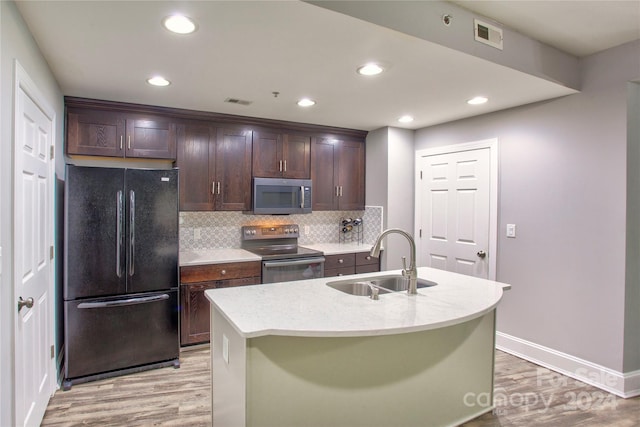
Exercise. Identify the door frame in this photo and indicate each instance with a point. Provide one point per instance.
(22, 81)
(492, 145)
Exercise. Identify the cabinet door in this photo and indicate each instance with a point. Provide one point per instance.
(195, 312)
(151, 137)
(296, 155)
(95, 133)
(196, 161)
(233, 170)
(351, 172)
(324, 174)
(267, 154)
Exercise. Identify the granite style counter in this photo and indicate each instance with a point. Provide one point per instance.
(215, 256)
(302, 353)
(222, 255)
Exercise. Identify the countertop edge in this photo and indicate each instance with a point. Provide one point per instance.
(319, 333)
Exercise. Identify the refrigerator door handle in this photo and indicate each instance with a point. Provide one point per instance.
(119, 233)
(123, 302)
(132, 231)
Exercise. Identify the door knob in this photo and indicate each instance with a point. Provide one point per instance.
(25, 303)
(481, 254)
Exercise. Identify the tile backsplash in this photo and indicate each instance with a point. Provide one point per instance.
(214, 230)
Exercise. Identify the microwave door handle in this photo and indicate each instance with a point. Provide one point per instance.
(302, 196)
(276, 264)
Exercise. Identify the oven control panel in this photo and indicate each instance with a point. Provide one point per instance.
(255, 232)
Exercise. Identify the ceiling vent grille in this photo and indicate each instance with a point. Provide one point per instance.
(238, 101)
(487, 34)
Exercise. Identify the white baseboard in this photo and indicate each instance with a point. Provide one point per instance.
(621, 384)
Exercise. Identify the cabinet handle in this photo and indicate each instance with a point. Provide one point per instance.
(337, 191)
(285, 165)
(340, 261)
(223, 272)
(368, 257)
(121, 142)
(280, 165)
(341, 191)
(129, 142)
(218, 187)
(213, 187)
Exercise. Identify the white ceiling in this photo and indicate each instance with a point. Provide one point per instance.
(247, 50)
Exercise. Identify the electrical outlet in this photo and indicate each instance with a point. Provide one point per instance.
(196, 233)
(225, 348)
(511, 230)
(307, 230)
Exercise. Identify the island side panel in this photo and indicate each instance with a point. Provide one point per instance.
(228, 379)
(439, 377)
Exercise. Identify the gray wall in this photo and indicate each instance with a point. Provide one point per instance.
(563, 183)
(16, 43)
(632, 296)
(390, 184)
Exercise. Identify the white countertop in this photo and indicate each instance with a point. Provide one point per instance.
(218, 256)
(310, 308)
(215, 256)
(338, 248)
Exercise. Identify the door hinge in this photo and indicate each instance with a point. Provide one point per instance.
(51, 252)
(51, 151)
(420, 174)
(420, 233)
(53, 351)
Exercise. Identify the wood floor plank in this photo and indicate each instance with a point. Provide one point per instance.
(525, 395)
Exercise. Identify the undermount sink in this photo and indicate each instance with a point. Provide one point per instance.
(385, 284)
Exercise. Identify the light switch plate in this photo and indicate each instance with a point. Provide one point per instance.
(511, 230)
(196, 233)
(307, 230)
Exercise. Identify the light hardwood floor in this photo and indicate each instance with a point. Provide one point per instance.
(525, 395)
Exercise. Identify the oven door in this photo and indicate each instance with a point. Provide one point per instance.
(287, 270)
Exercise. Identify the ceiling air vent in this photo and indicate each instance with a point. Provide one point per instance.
(488, 34)
(238, 101)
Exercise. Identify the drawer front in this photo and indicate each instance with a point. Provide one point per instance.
(363, 258)
(209, 272)
(335, 272)
(368, 268)
(339, 261)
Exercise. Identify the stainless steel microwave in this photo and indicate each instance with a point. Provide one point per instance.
(279, 196)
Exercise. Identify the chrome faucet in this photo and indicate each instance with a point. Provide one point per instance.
(412, 271)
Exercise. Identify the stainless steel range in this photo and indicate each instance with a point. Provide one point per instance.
(282, 259)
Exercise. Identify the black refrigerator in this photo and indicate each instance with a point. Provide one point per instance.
(120, 271)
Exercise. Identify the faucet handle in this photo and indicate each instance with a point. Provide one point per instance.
(404, 264)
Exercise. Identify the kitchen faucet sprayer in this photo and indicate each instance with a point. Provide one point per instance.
(412, 271)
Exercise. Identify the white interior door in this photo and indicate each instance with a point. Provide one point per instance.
(454, 220)
(32, 239)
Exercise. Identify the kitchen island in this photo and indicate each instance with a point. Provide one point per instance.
(303, 353)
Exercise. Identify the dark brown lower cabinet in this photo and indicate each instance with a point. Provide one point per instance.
(350, 263)
(195, 312)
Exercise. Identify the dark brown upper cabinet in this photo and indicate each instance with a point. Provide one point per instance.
(215, 167)
(120, 134)
(278, 155)
(338, 174)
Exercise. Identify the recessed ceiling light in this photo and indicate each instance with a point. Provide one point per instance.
(405, 119)
(477, 100)
(370, 69)
(179, 24)
(158, 81)
(306, 102)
